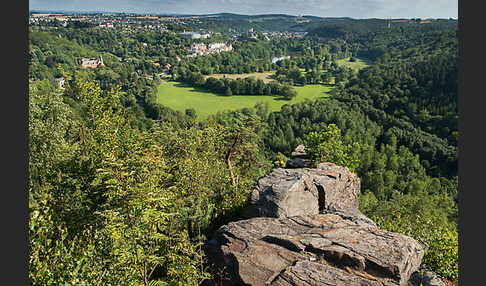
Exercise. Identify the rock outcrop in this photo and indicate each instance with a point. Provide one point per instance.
(332, 248)
(299, 158)
(303, 227)
(304, 191)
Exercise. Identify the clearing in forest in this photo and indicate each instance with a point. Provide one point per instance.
(181, 96)
(357, 65)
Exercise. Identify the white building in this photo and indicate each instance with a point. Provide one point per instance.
(198, 47)
(191, 35)
(220, 47)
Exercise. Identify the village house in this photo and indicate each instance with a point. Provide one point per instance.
(220, 47)
(106, 25)
(252, 34)
(200, 49)
(196, 47)
(91, 62)
(205, 35)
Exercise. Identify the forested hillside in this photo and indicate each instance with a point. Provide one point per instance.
(124, 190)
(225, 22)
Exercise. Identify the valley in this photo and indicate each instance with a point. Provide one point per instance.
(149, 132)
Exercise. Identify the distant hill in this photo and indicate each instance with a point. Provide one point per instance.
(222, 22)
(249, 17)
(348, 29)
(232, 16)
(355, 27)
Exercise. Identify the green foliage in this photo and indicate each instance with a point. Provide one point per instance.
(140, 208)
(151, 197)
(133, 221)
(415, 85)
(57, 259)
(247, 86)
(441, 255)
(49, 126)
(326, 146)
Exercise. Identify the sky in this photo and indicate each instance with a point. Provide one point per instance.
(357, 9)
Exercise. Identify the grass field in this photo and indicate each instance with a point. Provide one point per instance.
(180, 96)
(357, 65)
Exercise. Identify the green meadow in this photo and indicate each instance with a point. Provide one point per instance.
(357, 65)
(181, 96)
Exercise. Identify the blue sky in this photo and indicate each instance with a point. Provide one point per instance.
(324, 8)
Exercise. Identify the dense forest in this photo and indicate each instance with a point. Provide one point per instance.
(265, 23)
(124, 190)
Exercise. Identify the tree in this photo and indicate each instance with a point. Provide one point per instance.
(288, 92)
(228, 91)
(326, 77)
(191, 112)
(326, 146)
(197, 79)
(295, 74)
(243, 132)
(136, 232)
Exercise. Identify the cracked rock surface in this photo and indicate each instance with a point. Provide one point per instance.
(322, 249)
(303, 227)
(303, 191)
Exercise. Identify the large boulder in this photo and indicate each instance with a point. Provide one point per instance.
(303, 227)
(340, 246)
(303, 191)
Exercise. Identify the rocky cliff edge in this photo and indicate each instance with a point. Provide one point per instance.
(303, 227)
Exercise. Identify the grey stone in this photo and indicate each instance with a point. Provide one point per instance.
(349, 213)
(304, 191)
(425, 278)
(299, 158)
(323, 249)
(298, 162)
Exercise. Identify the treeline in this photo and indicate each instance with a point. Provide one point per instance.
(247, 86)
(353, 29)
(349, 29)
